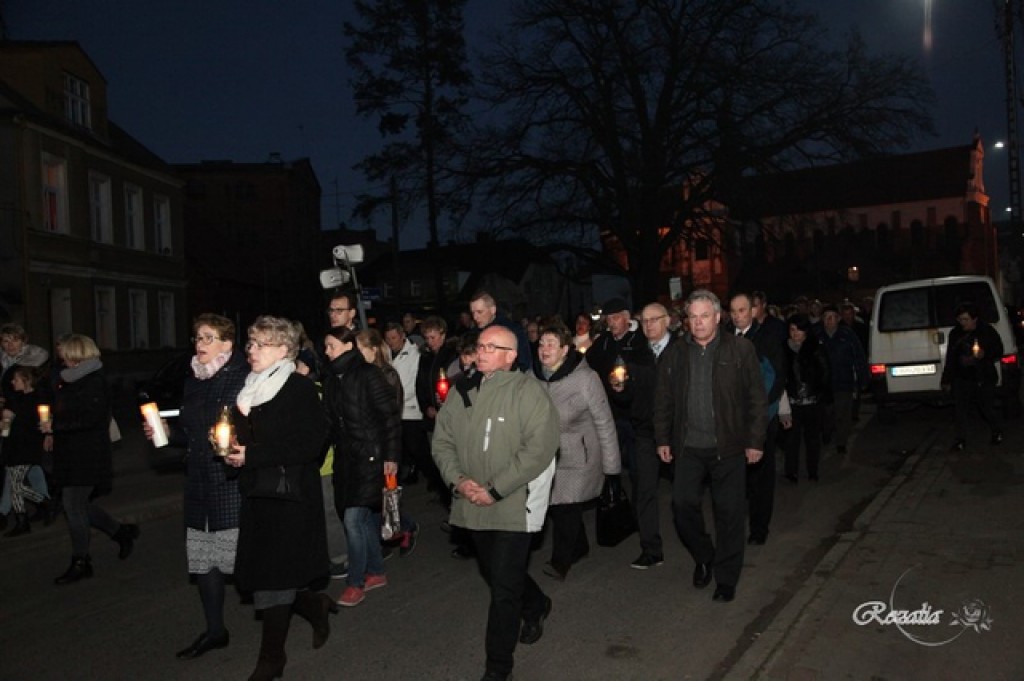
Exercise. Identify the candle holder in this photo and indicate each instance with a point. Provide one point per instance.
(223, 433)
(619, 374)
(442, 387)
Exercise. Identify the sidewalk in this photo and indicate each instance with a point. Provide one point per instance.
(947, 530)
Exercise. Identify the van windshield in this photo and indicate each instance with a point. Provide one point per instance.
(929, 307)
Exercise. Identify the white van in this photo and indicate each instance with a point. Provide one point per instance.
(910, 330)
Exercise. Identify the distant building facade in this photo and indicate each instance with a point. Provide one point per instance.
(91, 236)
(252, 239)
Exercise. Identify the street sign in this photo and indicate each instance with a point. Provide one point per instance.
(372, 293)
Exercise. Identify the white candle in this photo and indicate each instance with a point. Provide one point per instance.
(44, 413)
(152, 415)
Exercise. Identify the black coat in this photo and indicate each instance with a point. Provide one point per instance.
(24, 447)
(81, 433)
(212, 500)
(636, 352)
(366, 429)
(809, 377)
(431, 364)
(282, 544)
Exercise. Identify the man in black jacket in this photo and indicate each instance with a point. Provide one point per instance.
(436, 357)
(710, 416)
(974, 350)
(761, 475)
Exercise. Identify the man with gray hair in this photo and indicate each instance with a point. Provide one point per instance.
(710, 416)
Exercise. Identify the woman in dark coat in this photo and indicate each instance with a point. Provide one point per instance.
(282, 540)
(82, 465)
(212, 500)
(366, 431)
(24, 446)
(808, 386)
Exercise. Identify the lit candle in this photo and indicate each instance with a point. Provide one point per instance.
(442, 387)
(44, 413)
(152, 415)
(976, 348)
(222, 433)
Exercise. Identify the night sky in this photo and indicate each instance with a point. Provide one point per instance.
(239, 79)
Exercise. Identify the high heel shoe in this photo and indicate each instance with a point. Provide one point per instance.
(204, 644)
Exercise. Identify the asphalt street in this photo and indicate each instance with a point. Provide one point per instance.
(609, 622)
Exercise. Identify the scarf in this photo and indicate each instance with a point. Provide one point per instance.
(262, 387)
(84, 368)
(206, 371)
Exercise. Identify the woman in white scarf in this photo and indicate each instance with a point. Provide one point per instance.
(282, 541)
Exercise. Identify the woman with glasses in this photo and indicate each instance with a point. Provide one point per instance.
(589, 446)
(366, 432)
(282, 538)
(82, 463)
(212, 500)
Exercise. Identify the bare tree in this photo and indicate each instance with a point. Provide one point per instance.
(410, 71)
(612, 108)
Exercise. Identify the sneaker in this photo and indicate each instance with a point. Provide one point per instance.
(645, 561)
(408, 544)
(339, 570)
(375, 582)
(351, 596)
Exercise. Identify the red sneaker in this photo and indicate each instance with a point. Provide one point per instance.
(351, 596)
(375, 582)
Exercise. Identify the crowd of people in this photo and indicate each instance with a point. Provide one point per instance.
(513, 425)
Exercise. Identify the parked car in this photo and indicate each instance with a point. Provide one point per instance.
(166, 388)
(910, 332)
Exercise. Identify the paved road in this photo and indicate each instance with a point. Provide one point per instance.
(608, 622)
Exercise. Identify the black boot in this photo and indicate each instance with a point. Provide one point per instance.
(81, 568)
(125, 537)
(315, 608)
(49, 512)
(275, 632)
(21, 526)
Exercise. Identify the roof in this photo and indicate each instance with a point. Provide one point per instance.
(882, 180)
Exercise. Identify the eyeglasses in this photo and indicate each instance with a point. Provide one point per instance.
(338, 309)
(651, 320)
(491, 347)
(204, 340)
(253, 343)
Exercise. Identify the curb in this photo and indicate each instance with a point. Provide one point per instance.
(761, 653)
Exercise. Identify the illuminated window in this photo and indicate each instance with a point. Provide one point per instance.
(55, 194)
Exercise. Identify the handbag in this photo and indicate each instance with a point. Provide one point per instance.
(615, 519)
(391, 519)
(277, 482)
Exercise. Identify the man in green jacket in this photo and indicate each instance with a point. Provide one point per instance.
(495, 443)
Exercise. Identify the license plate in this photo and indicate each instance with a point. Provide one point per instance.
(914, 370)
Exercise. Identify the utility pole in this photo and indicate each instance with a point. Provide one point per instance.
(1008, 28)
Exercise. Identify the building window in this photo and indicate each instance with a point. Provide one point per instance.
(415, 288)
(101, 221)
(106, 318)
(76, 101)
(60, 311)
(165, 311)
(138, 319)
(162, 225)
(55, 194)
(133, 218)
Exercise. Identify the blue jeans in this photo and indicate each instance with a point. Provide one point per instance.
(362, 532)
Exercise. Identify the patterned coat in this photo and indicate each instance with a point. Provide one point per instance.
(589, 445)
(211, 487)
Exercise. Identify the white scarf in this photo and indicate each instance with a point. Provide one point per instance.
(262, 387)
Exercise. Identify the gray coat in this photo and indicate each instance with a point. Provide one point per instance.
(589, 446)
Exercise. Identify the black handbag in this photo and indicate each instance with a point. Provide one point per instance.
(615, 519)
(277, 482)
